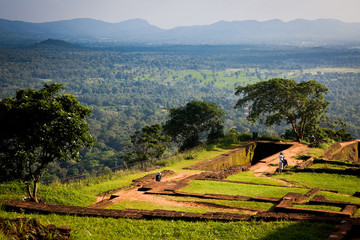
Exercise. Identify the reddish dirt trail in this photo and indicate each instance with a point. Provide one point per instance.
(263, 166)
(134, 195)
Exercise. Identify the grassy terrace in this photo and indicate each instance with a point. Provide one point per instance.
(249, 177)
(234, 189)
(344, 184)
(84, 194)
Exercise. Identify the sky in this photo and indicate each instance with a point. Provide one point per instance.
(168, 14)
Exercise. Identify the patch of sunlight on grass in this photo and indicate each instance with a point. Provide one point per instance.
(342, 183)
(319, 207)
(249, 176)
(213, 187)
(339, 197)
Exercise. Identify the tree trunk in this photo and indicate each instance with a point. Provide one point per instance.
(297, 134)
(28, 187)
(35, 190)
(32, 194)
(295, 130)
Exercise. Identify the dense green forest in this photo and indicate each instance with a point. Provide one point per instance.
(133, 86)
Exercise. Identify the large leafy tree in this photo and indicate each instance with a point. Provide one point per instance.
(38, 127)
(148, 144)
(276, 100)
(188, 123)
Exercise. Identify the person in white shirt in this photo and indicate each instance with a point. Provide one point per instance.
(281, 162)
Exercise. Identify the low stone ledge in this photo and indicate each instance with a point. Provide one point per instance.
(350, 209)
(250, 183)
(312, 211)
(173, 215)
(355, 172)
(312, 192)
(321, 200)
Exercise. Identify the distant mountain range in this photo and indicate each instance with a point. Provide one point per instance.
(138, 31)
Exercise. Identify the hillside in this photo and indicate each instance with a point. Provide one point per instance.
(138, 31)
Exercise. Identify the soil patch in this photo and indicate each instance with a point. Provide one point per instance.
(25, 228)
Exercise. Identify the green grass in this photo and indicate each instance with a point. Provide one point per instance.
(65, 196)
(339, 197)
(56, 194)
(234, 189)
(318, 207)
(357, 213)
(251, 205)
(313, 152)
(332, 166)
(109, 228)
(12, 190)
(250, 177)
(346, 184)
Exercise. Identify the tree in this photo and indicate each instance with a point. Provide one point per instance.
(148, 144)
(187, 123)
(37, 127)
(276, 100)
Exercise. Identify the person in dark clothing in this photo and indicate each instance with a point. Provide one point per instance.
(158, 176)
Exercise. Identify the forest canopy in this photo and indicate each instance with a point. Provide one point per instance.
(281, 100)
(130, 87)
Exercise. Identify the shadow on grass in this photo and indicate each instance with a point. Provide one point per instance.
(302, 230)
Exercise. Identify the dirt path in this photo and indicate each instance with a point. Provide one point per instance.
(263, 166)
(134, 195)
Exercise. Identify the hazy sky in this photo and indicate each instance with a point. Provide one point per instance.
(171, 13)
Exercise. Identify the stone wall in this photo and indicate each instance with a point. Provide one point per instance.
(350, 152)
(246, 156)
(240, 156)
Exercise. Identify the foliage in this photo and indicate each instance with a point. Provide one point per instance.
(277, 100)
(233, 137)
(187, 123)
(334, 130)
(38, 128)
(148, 144)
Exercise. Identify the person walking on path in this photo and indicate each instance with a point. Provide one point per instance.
(281, 162)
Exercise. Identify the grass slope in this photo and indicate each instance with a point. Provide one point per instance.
(84, 194)
(108, 228)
